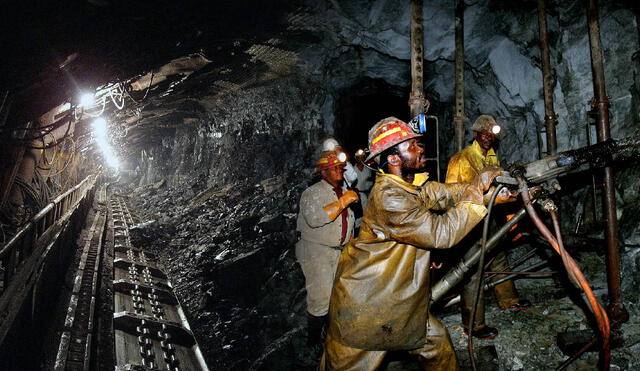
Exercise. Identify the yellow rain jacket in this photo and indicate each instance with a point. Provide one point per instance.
(466, 164)
(381, 292)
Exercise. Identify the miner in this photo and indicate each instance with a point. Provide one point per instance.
(380, 297)
(325, 222)
(363, 184)
(463, 167)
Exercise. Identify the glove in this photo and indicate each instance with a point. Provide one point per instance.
(505, 195)
(335, 208)
(479, 185)
(484, 180)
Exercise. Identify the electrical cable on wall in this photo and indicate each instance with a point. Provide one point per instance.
(59, 141)
(43, 154)
(71, 158)
(120, 95)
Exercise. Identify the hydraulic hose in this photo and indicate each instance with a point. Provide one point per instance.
(575, 274)
(485, 233)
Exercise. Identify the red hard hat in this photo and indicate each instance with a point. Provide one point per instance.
(327, 160)
(386, 134)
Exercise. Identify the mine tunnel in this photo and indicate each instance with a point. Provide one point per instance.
(161, 162)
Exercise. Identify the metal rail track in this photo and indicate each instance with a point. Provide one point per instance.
(150, 327)
(75, 345)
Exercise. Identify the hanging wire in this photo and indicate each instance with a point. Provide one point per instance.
(120, 95)
(145, 93)
(44, 154)
(71, 157)
(104, 104)
(53, 144)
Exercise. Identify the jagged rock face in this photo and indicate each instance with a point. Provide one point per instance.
(220, 195)
(503, 70)
(251, 135)
(219, 200)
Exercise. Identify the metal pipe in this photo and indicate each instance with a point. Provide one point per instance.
(460, 118)
(519, 261)
(518, 273)
(577, 354)
(417, 102)
(601, 101)
(550, 117)
(492, 284)
(456, 274)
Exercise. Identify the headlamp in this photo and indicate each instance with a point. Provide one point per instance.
(360, 152)
(342, 157)
(419, 124)
(495, 129)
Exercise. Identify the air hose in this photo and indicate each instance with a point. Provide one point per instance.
(476, 299)
(575, 274)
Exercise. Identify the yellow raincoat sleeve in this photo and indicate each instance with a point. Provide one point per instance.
(411, 222)
(439, 196)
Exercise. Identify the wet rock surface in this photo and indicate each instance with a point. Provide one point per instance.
(218, 195)
(528, 339)
(218, 204)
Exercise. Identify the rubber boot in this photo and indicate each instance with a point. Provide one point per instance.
(315, 327)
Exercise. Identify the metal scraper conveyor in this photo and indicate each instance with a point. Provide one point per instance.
(150, 327)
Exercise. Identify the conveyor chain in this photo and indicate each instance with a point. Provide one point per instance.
(150, 327)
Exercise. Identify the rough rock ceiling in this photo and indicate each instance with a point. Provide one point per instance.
(338, 42)
(55, 48)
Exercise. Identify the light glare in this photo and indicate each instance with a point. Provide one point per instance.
(495, 129)
(86, 99)
(100, 135)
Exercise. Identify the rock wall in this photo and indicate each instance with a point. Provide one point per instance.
(219, 200)
(503, 70)
(220, 195)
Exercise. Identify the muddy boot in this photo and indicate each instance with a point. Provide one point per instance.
(315, 333)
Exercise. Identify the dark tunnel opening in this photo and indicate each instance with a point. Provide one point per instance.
(363, 104)
(157, 224)
(368, 101)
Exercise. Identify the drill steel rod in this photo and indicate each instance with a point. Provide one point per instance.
(416, 98)
(456, 274)
(550, 117)
(459, 119)
(616, 308)
(492, 284)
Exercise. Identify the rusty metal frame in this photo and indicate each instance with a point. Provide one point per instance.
(459, 118)
(550, 117)
(601, 103)
(22, 256)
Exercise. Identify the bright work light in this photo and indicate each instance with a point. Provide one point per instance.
(86, 99)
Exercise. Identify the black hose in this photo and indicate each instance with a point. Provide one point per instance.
(485, 233)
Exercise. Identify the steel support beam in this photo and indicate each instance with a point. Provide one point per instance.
(460, 118)
(417, 101)
(616, 309)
